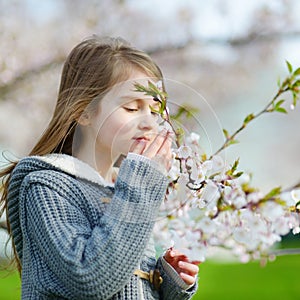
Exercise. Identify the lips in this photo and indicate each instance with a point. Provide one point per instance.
(142, 138)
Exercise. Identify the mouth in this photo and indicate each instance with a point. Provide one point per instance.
(141, 139)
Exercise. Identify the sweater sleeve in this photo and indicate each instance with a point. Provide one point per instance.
(94, 262)
(173, 287)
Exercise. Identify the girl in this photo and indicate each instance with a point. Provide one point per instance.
(81, 228)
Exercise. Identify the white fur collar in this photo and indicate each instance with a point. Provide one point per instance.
(75, 167)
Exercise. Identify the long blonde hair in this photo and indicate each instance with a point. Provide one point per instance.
(90, 70)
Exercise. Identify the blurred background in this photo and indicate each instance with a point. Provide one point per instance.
(222, 56)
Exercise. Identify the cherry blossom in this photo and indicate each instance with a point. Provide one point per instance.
(210, 204)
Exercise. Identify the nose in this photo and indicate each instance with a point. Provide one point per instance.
(147, 122)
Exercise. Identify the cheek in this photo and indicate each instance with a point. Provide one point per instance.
(117, 125)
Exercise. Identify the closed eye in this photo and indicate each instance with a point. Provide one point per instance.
(130, 109)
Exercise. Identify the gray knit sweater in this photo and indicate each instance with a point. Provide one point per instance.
(80, 238)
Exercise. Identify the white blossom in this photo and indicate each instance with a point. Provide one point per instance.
(271, 211)
(281, 226)
(193, 138)
(217, 162)
(184, 152)
(206, 225)
(296, 195)
(288, 198)
(254, 197)
(210, 195)
(203, 210)
(296, 230)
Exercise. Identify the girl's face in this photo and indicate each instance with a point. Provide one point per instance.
(123, 117)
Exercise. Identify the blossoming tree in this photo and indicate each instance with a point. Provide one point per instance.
(211, 203)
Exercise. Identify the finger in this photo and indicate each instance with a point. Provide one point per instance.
(172, 259)
(176, 254)
(196, 262)
(188, 279)
(165, 152)
(138, 147)
(164, 155)
(188, 268)
(169, 255)
(155, 146)
(166, 146)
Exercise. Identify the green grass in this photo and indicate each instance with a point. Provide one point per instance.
(9, 286)
(277, 280)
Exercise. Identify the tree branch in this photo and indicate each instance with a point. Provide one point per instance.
(288, 251)
(235, 42)
(9, 86)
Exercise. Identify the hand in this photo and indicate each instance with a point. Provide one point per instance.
(187, 270)
(159, 150)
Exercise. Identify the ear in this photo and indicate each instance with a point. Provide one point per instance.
(84, 119)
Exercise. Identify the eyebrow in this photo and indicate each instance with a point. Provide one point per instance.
(132, 98)
(129, 97)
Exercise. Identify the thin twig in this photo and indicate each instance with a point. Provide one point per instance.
(288, 251)
(242, 127)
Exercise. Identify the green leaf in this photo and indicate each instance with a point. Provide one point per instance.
(285, 83)
(226, 134)
(151, 90)
(179, 131)
(232, 142)
(296, 72)
(186, 110)
(145, 90)
(295, 98)
(274, 192)
(156, 93)
(290, 68)
(152, 86)
(249, 118)
(238, 174)
(281, 110)
(154, 110)
(231, 171)
(278, 82)
(212, 176)
(170, 217)
(235, 165)
(189, 110)
(278, 104)
(296, 83)
(277, 107)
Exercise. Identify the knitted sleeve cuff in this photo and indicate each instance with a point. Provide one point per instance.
(149, 161)
(141, 174)
(139, 191)
(174, 275)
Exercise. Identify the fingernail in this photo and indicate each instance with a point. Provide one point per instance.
(181, 264)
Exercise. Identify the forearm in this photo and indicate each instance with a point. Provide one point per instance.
(98, 260)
